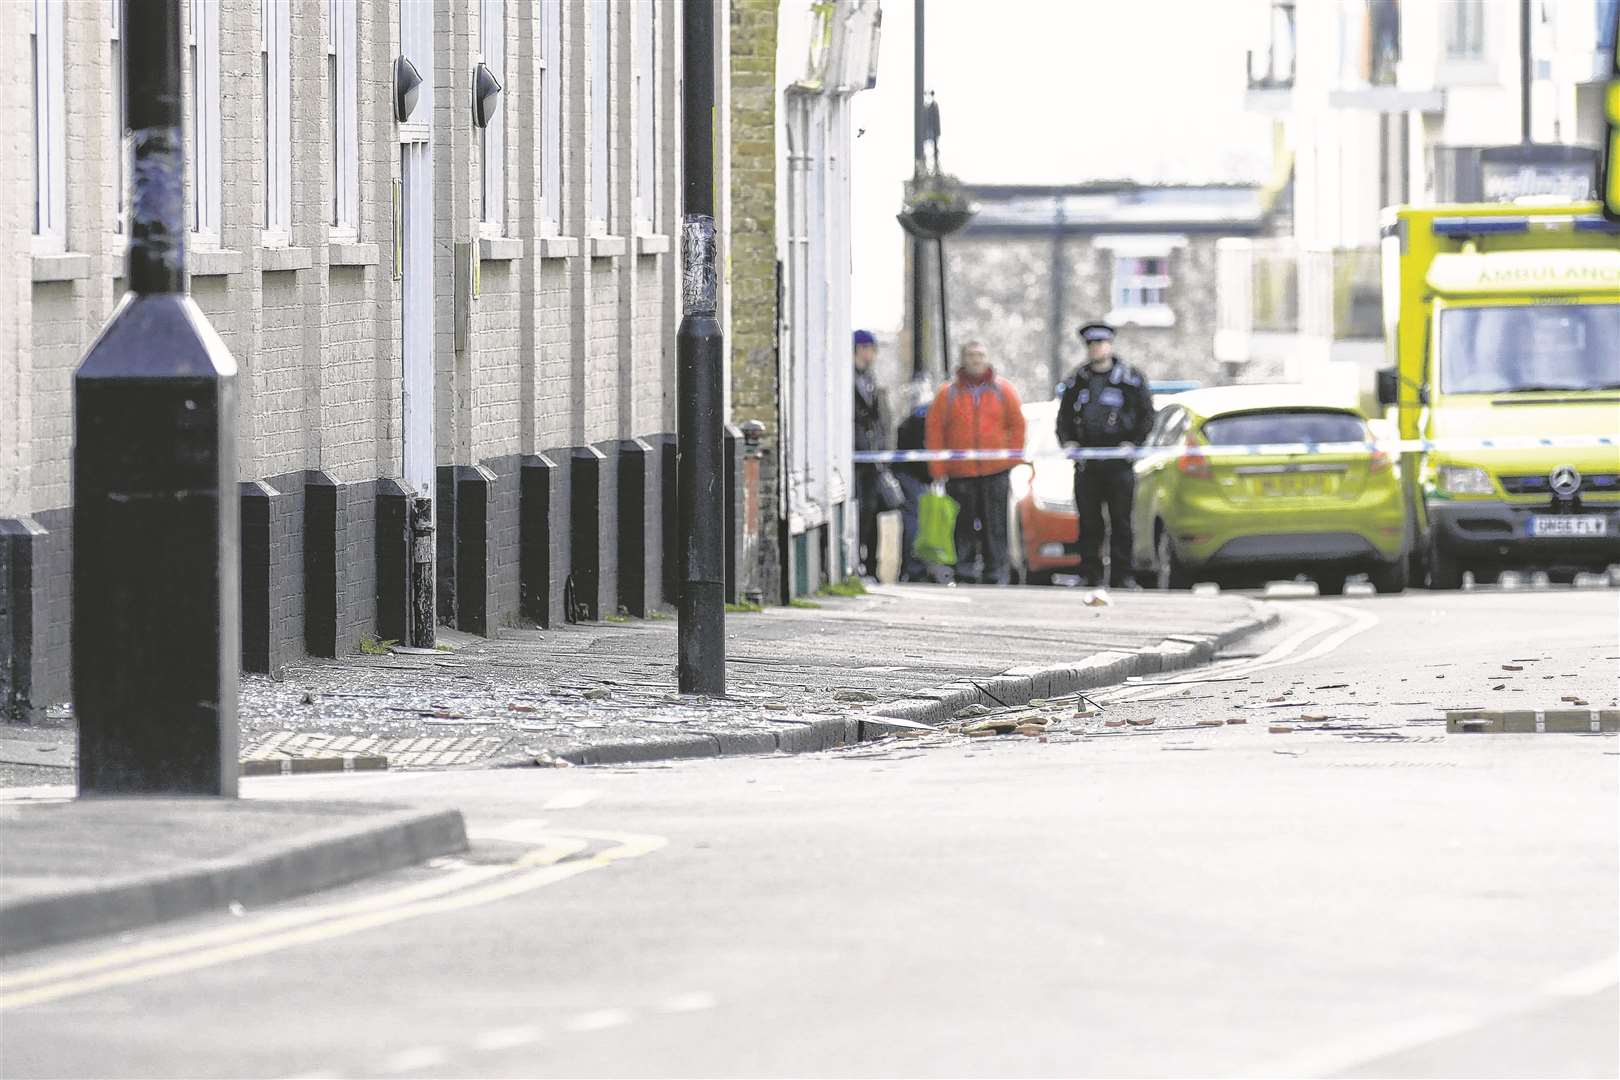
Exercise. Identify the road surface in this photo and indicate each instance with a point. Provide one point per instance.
(1160, 900)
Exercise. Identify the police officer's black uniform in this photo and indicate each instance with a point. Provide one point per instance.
(1100, 409)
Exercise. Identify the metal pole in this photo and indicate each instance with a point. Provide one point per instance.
(1525, 73)
(700, 358)
(944, 308)
(919, 360)
(156, 594)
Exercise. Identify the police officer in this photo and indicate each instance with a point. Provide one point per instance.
(1106, 403)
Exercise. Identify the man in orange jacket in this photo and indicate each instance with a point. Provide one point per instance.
(977, 410)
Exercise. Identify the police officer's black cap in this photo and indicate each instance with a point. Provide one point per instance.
(1096, 331)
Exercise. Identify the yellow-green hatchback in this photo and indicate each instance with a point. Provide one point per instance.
(1244, 517)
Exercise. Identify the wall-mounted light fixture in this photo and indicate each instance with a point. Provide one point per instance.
(407, 88)
(486, 95)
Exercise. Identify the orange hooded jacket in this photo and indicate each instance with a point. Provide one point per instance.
(975, 414)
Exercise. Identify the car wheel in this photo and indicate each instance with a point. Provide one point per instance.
(1561, 577)
(1443, 570)
(1487, 575)
(1169, 572)
(1389, 577)
(1038, 577)
(1330, 584)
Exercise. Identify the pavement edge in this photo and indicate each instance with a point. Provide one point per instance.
(1015, 686)
(262, 874)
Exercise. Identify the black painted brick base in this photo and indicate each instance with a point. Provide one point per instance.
(641, 529)
(391, 562)
(24, 620)
(272, 573)
(594, 528)
(669, 505)
(543, 532)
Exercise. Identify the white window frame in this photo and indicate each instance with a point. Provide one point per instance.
(600, 206)
(46, 38)
(204, 151)
(492, 186)
(343, 78)
(1452, 14)
(275, 52)
(1137, 295)
(1127, 281)
(551, 129)
(119, 116)
(646, 90)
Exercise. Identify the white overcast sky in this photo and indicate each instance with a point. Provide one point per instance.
(1047, 92)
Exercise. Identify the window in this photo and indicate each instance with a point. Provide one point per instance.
(120, 154)
(202, 51)
(1285, 426)
(600, 103)
(1464, 29)
(50, 128)
(274, 49)
(646, 79)
(343, 114)
(1141, 281)
(492, 39)
(551, 22)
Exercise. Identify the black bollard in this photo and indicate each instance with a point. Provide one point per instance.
(700, 390)
(156, 597)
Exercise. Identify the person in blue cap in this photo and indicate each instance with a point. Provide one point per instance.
(1106, 403)
(871, 433)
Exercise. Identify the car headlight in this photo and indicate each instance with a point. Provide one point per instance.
(1465, 480)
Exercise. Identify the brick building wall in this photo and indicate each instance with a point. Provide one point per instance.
(554, 368)
(755, 364)
(1001, 292)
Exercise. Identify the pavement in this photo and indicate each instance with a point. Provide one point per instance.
(1359, 893)
(799, 678)
(804, 679)
(76, 869)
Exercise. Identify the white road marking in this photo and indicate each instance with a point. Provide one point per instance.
(414, 1060)
(122, 966)
(507, 1038)
(1583, 982)
(568, 800)
(1331, 1057)
(598, 1020)
(696, 1001)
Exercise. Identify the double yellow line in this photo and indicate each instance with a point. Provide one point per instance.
(553, 860)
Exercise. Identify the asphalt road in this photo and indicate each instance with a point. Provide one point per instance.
(1148, 900)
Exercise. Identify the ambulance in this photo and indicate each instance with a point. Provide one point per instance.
(1502, 334)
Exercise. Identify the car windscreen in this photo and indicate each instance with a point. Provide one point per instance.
(1285, 426)
(1497, 350)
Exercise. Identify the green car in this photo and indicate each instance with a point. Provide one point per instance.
(1248, 518)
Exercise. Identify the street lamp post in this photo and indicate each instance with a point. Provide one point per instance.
(700, 392)
(156, 601)
(919, 363)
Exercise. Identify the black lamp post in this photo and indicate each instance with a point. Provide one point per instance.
(156, 602)
(700, 391)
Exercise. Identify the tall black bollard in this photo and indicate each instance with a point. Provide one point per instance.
(156, 599)
(700, 392)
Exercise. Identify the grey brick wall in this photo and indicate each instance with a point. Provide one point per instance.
(563, 347)
(1001, 292)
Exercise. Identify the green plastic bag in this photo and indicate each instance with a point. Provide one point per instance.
(936, 528)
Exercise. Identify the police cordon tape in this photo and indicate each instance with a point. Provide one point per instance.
(1116, 453)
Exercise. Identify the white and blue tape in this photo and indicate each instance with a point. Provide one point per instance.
(1115, 453)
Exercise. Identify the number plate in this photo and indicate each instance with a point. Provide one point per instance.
(1294, 484)
(1569, 525)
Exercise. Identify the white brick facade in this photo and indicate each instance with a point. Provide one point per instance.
(543, 338)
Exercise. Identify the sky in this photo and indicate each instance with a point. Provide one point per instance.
(1047, 92)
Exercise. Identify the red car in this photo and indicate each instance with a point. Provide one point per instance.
(1044, 530)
